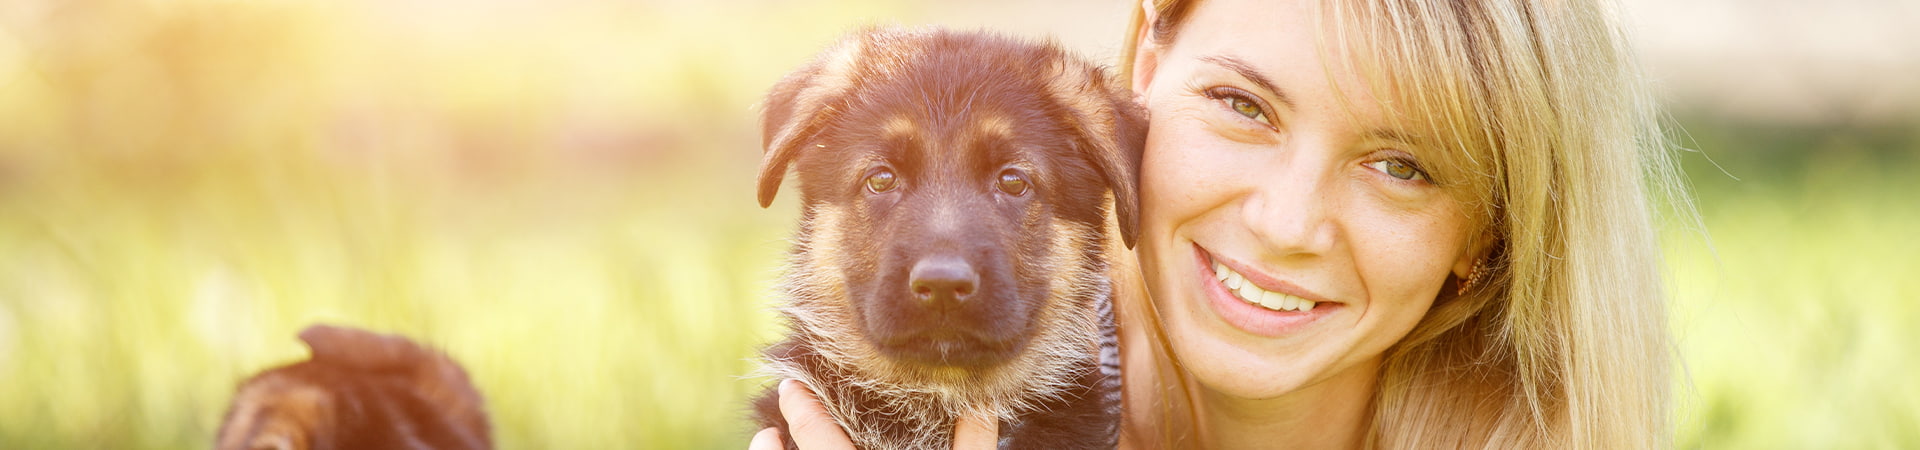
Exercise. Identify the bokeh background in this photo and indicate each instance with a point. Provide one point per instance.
(559, 194)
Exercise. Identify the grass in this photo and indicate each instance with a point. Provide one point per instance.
(563, 201)
(1797, 326)
(129, 312)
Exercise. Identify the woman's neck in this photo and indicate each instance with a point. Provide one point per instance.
(1331, 414)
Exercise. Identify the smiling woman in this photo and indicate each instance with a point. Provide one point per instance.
(1398, 224)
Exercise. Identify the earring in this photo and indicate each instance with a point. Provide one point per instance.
(1473, 277)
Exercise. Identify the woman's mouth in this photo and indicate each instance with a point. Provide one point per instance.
(1243, 303)
(1238, 285)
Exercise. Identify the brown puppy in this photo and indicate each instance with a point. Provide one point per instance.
(950, 258)
(360, 390)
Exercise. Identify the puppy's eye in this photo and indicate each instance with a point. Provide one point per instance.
(1012, 183)
(880, 181)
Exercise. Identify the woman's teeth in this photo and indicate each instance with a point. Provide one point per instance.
(1251, 294)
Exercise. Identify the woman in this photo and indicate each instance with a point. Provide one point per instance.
(1456, 186)
(1408, 224)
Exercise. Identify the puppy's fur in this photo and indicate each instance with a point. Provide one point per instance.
(360, 390)
(1022, 328)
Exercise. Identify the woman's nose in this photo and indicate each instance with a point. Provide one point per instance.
(1289, 210)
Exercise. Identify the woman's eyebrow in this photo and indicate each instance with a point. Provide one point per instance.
(1246, 70)
(1401, 137)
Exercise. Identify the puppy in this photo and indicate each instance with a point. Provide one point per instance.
(950, 258)
(359, 391)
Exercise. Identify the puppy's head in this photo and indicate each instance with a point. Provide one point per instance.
(954, 188)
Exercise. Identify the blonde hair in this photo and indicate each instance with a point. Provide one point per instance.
(1541, 116)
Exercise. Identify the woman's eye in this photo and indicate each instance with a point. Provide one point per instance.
(1241, 103)
(1012, 183)
(1244, 107)
(1398, 169)
(880, 181)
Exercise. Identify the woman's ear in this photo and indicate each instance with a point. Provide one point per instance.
(1479, 251)
(1463, 267)
(1146, 53)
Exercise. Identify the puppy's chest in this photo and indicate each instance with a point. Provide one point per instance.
(1083, 415)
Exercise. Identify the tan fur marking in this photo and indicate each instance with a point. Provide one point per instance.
(901, 127)
(821, 291)
(296, 409)
(993, 126)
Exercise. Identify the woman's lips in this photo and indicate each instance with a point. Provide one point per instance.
(1246, 289)
(1269, 316)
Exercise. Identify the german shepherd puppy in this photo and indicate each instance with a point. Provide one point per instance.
(951, 256)
(360, 390)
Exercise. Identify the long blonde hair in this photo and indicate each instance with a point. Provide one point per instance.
(1542, 108)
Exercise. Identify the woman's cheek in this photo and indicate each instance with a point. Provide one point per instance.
(1182, 159)
(1167, 169)
(1407, 258)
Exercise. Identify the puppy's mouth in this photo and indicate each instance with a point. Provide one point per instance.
(944, 348)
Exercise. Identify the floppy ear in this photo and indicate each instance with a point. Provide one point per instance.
(799, 105)
(1115, 131)
(362, 349)
(1123, 163)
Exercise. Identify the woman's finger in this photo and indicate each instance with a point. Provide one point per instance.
(766, 439)
(976, 433)
(807, 420)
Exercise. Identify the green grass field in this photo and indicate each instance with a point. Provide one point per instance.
(1797, 327)
(563, 201)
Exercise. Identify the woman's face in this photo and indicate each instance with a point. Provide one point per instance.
(1255, 168)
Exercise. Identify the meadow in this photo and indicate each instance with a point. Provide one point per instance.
(560, 196)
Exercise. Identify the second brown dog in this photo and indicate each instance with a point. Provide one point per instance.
(360, 390)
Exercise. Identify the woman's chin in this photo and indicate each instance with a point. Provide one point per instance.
(1231, 362)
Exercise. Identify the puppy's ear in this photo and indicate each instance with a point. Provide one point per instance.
(364, 350)
(1114, 129)
(800, 105)
(1129, 143)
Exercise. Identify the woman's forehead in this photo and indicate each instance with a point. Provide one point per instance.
(1296, 49)
(1278, 46)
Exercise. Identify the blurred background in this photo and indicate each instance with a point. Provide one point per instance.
(559, 194)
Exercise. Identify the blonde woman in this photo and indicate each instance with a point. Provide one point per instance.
(1456, 190)
(1399, 224)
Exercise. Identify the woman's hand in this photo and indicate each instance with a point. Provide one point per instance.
(813, 429)
(807, 421)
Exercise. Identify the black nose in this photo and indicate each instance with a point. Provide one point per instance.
(942, 281)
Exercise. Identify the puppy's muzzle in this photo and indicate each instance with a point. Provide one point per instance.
(949, 305)
(942, 282)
